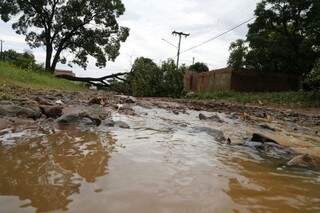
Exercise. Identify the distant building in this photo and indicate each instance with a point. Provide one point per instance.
(227, 79)
(64, 73)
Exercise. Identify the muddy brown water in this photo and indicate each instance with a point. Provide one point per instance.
(163, 163)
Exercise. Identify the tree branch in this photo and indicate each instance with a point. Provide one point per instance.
(93, 81)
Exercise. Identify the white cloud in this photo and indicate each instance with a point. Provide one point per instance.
(152, 20)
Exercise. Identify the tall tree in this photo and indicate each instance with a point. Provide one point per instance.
(83, 27)
(283, 37)
(237, 56)
(199, 67)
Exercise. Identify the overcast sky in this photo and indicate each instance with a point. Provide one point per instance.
(150, 21)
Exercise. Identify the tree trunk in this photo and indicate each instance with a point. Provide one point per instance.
(55, 60)
(48, 56)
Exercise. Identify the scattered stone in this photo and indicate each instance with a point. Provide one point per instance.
(14, 110)
(41, 101)
(176, 112)
(214, 118)
(127, 99)
(257, 137)
(96, 100)
(122, 125)
(59, 102)
(111, 123)
(305, 161)
(51, 112)
(81, 118)
(269, 147)
(266, 126)
(216, 134)
(108, 123)
(229, 141)
(202, 117)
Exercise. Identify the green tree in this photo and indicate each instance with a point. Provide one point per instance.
(199, 67)
(83, 27)
(146, 78)
(238, 53)
(149, 80)
(283, 38)
(172, 85)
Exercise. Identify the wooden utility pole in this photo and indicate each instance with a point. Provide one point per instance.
(180, 34)
(1, 44)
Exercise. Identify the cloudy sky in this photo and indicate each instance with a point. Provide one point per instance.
(150, 21)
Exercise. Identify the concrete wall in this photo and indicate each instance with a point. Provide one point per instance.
(228, 79)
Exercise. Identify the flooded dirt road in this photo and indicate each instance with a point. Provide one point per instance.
(163, 161)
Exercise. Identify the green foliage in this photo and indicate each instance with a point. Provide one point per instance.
(283, 38)
(146, 78)
(238, 53)
(199, 67)
(149, 80)
(287, 99)
(24, 60)
(172, 84)
(312, 80)
(14, 76)
(84, 28)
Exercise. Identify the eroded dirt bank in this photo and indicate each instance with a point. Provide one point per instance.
(96, 151)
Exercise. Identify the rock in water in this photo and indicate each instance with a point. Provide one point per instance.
(81, 118)
(214, 118)
(122, 125)
(305, 161)
(269, 147)
(202, 117)
(216, 134)
(257, 137)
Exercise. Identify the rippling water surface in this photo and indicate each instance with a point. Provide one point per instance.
(163, 163)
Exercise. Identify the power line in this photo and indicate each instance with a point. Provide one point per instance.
(218, 36)
(169, 43)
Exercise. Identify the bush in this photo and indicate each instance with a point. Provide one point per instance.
(199, 67)
(312, 80)
(24, 60)
(149, 80)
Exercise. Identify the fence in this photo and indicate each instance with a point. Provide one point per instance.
(247, 81)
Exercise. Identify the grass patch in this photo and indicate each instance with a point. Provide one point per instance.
(291, 99)
(13, 76)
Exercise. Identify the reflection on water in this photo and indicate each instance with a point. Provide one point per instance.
(164, 163)
(47, 170)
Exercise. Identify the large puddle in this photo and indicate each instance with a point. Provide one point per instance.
(163, 163)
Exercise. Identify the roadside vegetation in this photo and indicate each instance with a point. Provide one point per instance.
(284, 38)
(300, 99)
(147, 79)
(11, 75)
